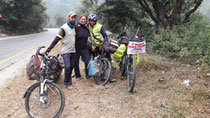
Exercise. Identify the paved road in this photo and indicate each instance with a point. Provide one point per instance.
(15, 49)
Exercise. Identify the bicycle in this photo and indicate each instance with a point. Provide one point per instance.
(44, 97)
(129, 60)
(105, 68)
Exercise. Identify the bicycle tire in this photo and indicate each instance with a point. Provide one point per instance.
(33, 87)
(108, 74)
(131, 73)
(122, 66)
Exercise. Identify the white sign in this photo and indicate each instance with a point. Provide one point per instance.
(136, 47)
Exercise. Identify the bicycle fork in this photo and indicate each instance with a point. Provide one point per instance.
(43, 94)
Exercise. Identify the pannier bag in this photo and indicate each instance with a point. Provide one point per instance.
(93, 68)
(110, 46)
(33, 68)
(119, 52)
(55, 70)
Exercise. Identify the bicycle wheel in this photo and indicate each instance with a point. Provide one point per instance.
(105, 70)
(122, 66)
(53, 105)
(131, 73)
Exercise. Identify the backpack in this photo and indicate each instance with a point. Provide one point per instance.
(33, 68)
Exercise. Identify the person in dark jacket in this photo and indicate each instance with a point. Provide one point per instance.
(82, 34)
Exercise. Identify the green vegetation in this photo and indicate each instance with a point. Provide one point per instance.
(21, 16)
(188, 42)
(177, 30)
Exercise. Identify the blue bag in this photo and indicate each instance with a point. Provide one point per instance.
(93, 68)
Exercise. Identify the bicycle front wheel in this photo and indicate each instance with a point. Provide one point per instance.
(105, 70)
(131, 73)
(48, 105)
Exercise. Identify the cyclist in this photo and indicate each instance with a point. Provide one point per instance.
(98, 36)
(82, 34)
(67, 36)
(97, 33)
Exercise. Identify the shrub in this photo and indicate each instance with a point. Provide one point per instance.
(190, 41)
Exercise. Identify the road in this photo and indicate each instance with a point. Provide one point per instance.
(16, 49)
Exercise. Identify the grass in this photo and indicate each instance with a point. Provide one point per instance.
(158, 93)
(148, 62)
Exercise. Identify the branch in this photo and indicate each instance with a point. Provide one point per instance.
(197, 4)
(148, 10)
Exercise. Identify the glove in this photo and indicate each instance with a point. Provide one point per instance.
(48, 50)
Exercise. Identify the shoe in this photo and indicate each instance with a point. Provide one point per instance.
(78, 78)
(69, 87)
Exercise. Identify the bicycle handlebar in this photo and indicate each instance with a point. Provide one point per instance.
(45, 55)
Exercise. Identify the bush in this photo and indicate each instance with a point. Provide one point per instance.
(190, 41)
(22, 16)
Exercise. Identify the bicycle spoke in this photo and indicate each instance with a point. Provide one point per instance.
(51, 105)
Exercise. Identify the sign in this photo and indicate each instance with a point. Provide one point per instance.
(136, 47)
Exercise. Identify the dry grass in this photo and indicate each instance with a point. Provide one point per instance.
(158, 94)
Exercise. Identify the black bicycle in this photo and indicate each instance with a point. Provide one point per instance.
(44, 99)
(105, 68)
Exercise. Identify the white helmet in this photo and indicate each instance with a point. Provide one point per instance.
(93, 16)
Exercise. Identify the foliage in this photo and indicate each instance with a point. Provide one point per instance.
(60, 19)
(20, 16)
(62, 7)
(169, 13)
(88, 6)
(190, 41)
(123, 15)
(120, 15)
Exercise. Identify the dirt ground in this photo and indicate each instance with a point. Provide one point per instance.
(158, 93)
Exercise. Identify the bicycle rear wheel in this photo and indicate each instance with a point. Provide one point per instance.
(105, 70)
(131, 73)
(53, 105)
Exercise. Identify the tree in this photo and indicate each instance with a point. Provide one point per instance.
(168, 13)
(88, 6)
(59, 20)
(122, 15)
(22, 16)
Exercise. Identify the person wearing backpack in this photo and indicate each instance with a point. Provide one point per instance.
(67, 37)
(82, 34)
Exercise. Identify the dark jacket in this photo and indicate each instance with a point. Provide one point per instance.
(82, 34)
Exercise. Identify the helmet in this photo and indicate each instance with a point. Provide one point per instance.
(93, 16)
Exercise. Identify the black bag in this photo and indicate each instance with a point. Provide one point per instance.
(110, 46)
(55, 69)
